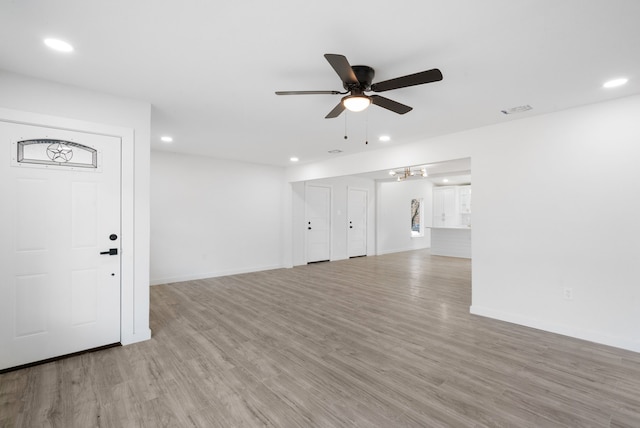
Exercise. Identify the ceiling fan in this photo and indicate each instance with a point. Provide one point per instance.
(357, 80)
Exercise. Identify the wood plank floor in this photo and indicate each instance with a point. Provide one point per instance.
(383, 341)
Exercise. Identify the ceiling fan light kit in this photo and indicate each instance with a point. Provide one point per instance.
(357, 80)
(356, 102)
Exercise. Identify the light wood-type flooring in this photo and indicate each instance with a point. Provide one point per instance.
(382, 341)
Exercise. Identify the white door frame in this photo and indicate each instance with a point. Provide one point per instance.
(133, 292)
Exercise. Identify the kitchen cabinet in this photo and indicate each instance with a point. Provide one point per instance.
(464, 204)
(452, 206)
(444, 206)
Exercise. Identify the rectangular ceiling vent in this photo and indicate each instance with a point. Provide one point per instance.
(519, 109)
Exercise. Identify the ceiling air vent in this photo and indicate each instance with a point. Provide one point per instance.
(519, 109)
(335, 151)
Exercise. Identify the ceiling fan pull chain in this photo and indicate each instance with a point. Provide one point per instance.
(345, 126)
(366, 128)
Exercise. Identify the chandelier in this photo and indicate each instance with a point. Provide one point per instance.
(404, 173)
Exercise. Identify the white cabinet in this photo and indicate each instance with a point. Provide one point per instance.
(444, 206)
(464, 198)
(464, 204)
(452, 206)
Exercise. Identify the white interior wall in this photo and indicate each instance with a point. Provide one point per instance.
(394, 215)
(68, 107)
(214, 217)
(339, 221)
(555, 207)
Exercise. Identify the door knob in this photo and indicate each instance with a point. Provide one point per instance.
(111, 252)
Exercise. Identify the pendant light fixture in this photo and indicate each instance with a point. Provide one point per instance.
(407, 172)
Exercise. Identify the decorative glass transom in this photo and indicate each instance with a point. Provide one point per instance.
(56, 152)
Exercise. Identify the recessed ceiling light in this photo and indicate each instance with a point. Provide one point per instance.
(384, 138)
(615, 82)
(58, 45)
(445, 180)
(166, 139)
(294, 159)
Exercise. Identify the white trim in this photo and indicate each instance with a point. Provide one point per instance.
(591, 336)
(182, 278)
(399, 250)
(130, 290)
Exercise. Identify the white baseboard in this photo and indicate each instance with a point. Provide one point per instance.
(578, 333)
(192, 277)
(399, 250)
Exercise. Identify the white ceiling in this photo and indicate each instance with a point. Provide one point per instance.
(210, 69)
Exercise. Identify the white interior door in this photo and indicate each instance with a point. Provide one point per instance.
(318, 215)
(357, 218)
(60, 210)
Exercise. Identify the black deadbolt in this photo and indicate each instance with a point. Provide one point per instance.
(113, 236)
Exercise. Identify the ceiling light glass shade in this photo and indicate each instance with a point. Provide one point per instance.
(356, 102)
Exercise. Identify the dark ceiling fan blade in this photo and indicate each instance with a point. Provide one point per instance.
(308, 92)
(342, 67)
(336, 111)
(390, 104)
(421, 78)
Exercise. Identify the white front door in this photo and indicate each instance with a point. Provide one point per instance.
(318, 214)
(357, 218)
(61, 209)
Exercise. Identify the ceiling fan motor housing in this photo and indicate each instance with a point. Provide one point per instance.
(365, 75)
